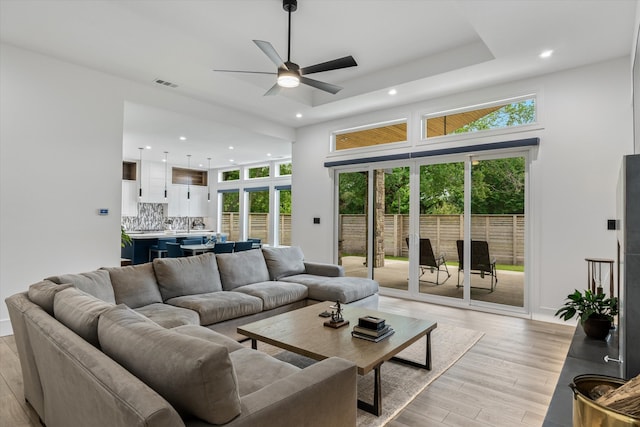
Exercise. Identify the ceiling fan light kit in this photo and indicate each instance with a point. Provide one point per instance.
(289, 74)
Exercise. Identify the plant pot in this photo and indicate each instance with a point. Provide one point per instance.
(597, 327)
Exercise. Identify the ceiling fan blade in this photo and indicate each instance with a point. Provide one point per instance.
(327, 87)
(335, 64)
(243, 71)
(269, 50)
(275, 89)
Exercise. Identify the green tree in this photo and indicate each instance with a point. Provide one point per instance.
(353, 192)
(231, 202)
(498, 186)
(442, 188)
(285, 201)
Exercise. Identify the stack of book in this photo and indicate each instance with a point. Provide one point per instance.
(372, 329)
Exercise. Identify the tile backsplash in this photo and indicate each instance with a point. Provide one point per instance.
(153, 217)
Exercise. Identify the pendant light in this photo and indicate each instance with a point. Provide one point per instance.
(165, 174)
(209, 180)
(189, 177)
(140, 185)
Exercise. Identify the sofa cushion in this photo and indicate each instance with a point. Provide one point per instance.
(80, 312)
(275, 294)
(242, 268)
(284, 261)
(187, 275)
(209, 335)
(195, 375)
(96, 283)
(135, 285)
(42, 293)
(219, 306)
(256, 370)
(343, 289)
(169, 316)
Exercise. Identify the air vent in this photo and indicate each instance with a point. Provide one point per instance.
(165, 83)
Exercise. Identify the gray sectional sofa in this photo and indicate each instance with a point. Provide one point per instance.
(155, 344)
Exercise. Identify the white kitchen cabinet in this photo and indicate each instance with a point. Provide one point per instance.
(153, 182)
(179, 205)
(129, 198)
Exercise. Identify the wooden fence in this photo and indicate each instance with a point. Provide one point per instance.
(258, 226)
(505, 233)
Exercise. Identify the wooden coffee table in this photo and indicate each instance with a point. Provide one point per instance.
(302, 331)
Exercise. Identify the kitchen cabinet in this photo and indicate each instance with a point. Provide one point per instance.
(129, 198)
(153, 181)
(179, 205)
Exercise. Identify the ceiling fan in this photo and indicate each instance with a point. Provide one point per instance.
(289, 73)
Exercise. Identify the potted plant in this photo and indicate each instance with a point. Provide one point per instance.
(595, 310)
(125, 239)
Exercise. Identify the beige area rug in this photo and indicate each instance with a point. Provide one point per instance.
(401, 383)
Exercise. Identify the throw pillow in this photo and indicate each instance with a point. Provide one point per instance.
(79, 312)
(42, 293)
(96, 283)
(283, 262)
(135, 285)
(242, 268)
(194, 375)
(187, 275)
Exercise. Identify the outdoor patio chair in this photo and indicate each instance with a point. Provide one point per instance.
(428, 261)
(481, 262)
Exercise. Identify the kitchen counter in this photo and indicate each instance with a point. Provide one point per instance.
(168, 233)
(142, 241)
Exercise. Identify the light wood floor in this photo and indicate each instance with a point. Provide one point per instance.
(506, 379)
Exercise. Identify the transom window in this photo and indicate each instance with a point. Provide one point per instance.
(501, 115)
(230, 175)
(371, 136)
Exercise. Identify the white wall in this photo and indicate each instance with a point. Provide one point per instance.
(61, 160)
(586, 120)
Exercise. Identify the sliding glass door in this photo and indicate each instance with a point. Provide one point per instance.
(497, 267)
(438, 230)
(441, 226)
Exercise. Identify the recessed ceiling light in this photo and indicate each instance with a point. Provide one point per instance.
(183, 138)
(164, 160)
(546, 53)
(268, 154)
(200, 165)
(392, 92)
(298, 115)
(231, 160)
(231, 147)
(148, 147)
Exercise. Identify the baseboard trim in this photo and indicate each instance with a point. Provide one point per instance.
(5, 328)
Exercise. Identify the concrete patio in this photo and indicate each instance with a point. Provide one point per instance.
(508, 291)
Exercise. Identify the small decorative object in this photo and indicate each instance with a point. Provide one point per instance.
(594, 309)
(337, 321)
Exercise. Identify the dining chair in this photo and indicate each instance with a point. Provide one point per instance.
(192, 241)
(223, 248)
(242, 246)
(174, 250)
(257, 243)
(160, 249)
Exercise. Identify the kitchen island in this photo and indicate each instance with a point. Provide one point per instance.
(141, 241)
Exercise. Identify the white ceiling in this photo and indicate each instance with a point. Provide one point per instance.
(423, 48)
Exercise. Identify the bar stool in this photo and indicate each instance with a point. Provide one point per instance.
(161, 248)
